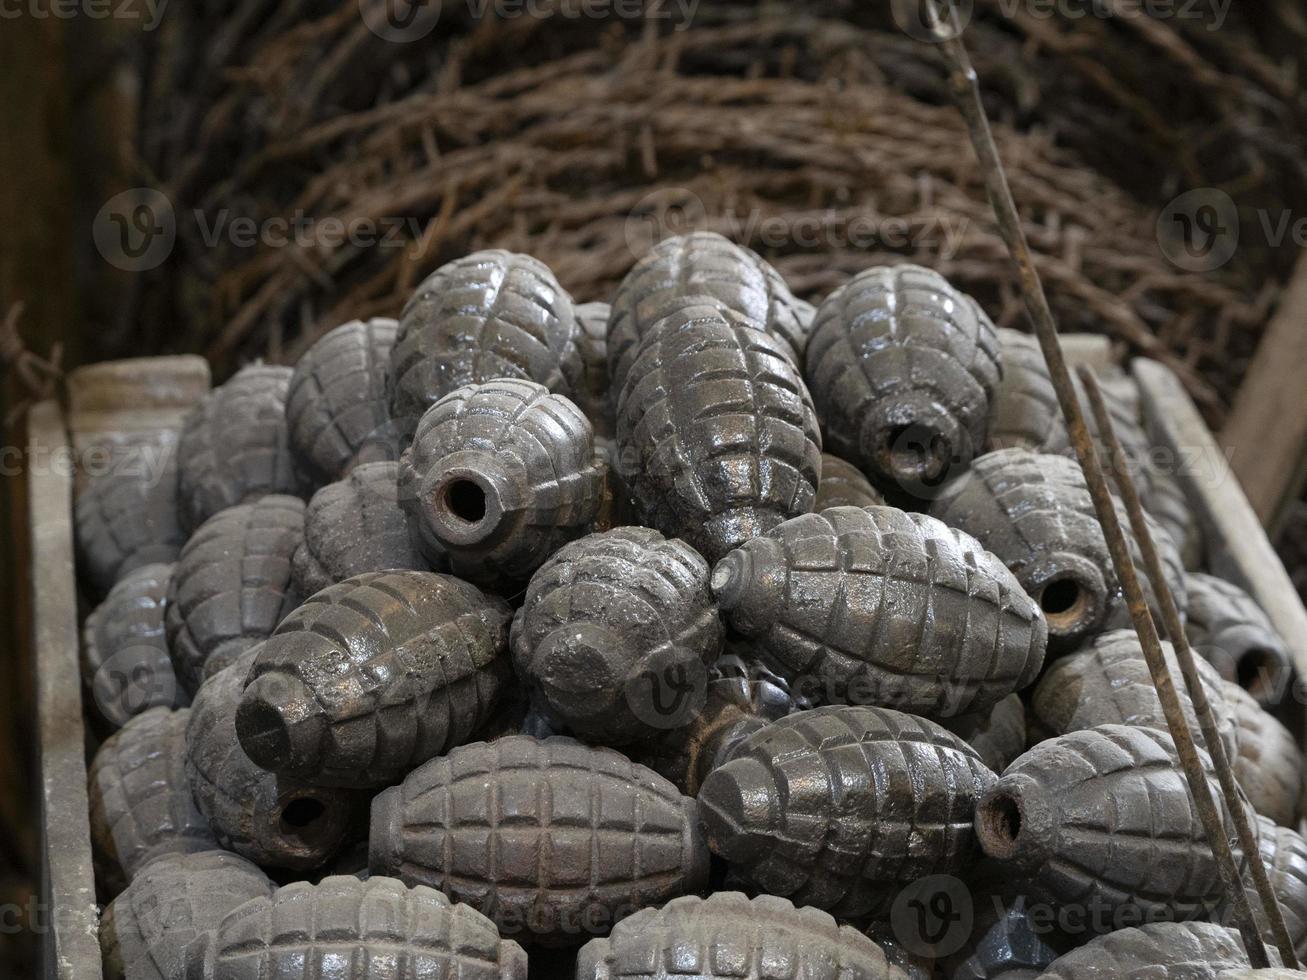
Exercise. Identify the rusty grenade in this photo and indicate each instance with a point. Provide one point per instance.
(616, 635)
(1104, 815)
(374, 675)
(717, 434)
(354, 526)
(1024, 412)
(730, 935)
(336, 405)
(140, 799)
(232, 585)
(1227, 628)
(488, 315)
(346, 929)
(145, 931)
(1270, 764)
(498, 477)
(884, 607)
(235, 445)
(1157, 951)
(838, 806)
(550, 838)
(902, 367)
(843, 485)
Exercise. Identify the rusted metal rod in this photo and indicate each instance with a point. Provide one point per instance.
(1184, 654)
(966, 91)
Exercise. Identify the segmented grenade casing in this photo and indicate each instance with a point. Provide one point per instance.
(1104, 816)
(1284, 852)
(1158, 951)
(729, 935)
(843, 485)
(488, 315)
(235, 445)
(884, 607)
(1024, 412)
(498, 477)
(593, 395)
(902, 367)
(346, 929)
(232, 585)
(125, 663)
(836, 806)
(145, 931)
(354, 526)
(1270, 765)
(275, 821)
(998, 735)
(140, 799)
(717, 436)
(551, 838)
(1227, 628)
(373, 676)
(616, 635)
(701, 264)
(336, 404)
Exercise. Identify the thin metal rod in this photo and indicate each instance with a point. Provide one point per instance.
(966, 91)
(1184, 654)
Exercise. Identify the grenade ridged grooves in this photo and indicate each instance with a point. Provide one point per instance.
(140, 798)
(550, 838)
(897, 356)
(145, 930)
(232, 585)
(1159, 951)
(884, 607)
(701, 264)
(373, 676)
(1104, 815)
(1270, 765)
(489, 315)
(731, 936)
(336, 405)
(274, 821)
(1284, 853)
(498, 477)
(354, 526)
(600, 615)
(1107, 682)
(1227, 628)
(594, 395)
(836, 806)
(125, 663)
(843, 485)
(346, 929)
(1024, 412)
(235, 446)
(718, 439)
(998, 735)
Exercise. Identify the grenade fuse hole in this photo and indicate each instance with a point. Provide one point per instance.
(301, 817)
(1256, 670)
(1063, 602)
(466, 501)
(1000, 824)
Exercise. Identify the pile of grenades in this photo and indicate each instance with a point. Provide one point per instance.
(709, 634)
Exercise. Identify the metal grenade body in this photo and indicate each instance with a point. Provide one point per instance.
(998, 735)
(616, 635)
(552, 839)
(835, 807)
(489, 315)
(1158, 951)
(373, 676)
(716, 431)
(1270, 765)
(354, 526)
(1024, 412)
(843, 485)
(594, 395)
(235, 446)
(336, 405)
(498, 477)
(902, 367)
(1227, 628)
(879, 606)
(1284, 852)
(232, 585)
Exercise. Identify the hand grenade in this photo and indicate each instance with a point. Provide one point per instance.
(616, 635)
(716, 430)
(836, 806)
(1104, 816)
(140, 799)
(336, 405)
(843, 485)
(125, 664)
(373, 676)
(998, 735)
(1227, 628)
(232, 585)
(729, 935)
(486, 316)
(1284, 852)
(1270, 765)
(701, 264)
(883, 607)
(1024, 412)
(552, 839)
(1157, 951)
(902, 367)
(145, 931)
(354, 526)
(499, 476)
(346, 929)
(273, 820)
(594, 395)
(235, 446)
